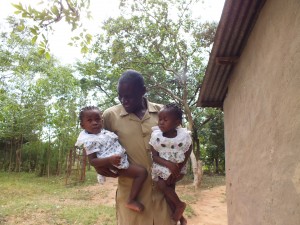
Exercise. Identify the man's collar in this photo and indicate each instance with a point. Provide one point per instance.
(123, 111)
(151, 107)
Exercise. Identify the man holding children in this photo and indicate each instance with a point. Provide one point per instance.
(132, 122)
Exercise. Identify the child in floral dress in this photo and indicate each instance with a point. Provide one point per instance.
(104, 150)
(171, 146)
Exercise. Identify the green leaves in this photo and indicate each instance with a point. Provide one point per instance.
(157, 39)
(34, 30)
(160, 39)
(47, 56)
(38, 100)
(40, 21)
(86, 40)
(84, 49)
(33, 40)
(55, 10)
(19, 7)
(21, 27)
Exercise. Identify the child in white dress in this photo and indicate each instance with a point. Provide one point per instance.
(104, 150)
(171, 146)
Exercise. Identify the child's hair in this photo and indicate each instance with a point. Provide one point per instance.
(87, 108)
(175, 109)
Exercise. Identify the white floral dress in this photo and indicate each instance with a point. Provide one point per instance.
(105, 144)
(171, 149)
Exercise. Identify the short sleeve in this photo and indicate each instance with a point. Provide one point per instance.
(91, 142)
(185, 139)
(91, 147)
(154, 136)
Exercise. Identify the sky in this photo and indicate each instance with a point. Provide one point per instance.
(211, 10)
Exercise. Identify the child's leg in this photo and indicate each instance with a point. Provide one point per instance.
(139, 175)
(182, 220)
(175, 203)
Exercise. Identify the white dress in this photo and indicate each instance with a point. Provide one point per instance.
(104, 144)
(171, 149)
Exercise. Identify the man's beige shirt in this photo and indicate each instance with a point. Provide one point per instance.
(134, 135)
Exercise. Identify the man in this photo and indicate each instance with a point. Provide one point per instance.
(132, 121)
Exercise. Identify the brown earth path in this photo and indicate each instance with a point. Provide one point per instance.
(210, 208)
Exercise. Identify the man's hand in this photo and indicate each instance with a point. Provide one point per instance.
(106, 172)
(115, 160)
(172, 179)
(174, 169)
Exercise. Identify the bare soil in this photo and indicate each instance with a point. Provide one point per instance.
(210, 208)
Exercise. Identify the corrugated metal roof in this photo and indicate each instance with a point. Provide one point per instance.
(237, 20)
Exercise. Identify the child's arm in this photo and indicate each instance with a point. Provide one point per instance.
(173, 167)
(186, 157)
(174, 179)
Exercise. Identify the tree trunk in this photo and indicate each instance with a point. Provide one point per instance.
(217, 165)
(48, 158)
(196, 168)
(48, 161)
(18, 160)
(10, 156)
(18, 147)
(58, 165)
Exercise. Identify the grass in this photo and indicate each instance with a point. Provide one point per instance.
(212, 181)
(208, 181)
(25, 198)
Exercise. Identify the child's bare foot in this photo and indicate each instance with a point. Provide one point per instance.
(179, 211)
(135, 206)
(183, 221)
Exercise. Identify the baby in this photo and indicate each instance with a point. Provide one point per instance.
(104, 150)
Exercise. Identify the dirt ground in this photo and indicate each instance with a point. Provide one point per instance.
(208, 206)
(205, 206)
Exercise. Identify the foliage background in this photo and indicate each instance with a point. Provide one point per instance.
(41, 98)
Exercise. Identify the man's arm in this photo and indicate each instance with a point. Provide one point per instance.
(103, 165)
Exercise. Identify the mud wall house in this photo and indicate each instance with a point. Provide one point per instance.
(253, 75)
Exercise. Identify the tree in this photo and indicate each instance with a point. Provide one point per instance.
(40, 21)
(23, 110)
(212, 135)
(39, 100)
(169, 49)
